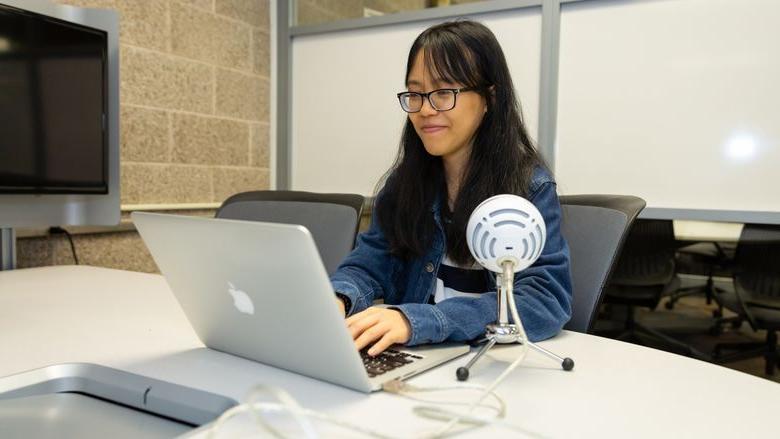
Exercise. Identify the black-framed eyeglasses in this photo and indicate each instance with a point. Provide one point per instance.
(442, 99)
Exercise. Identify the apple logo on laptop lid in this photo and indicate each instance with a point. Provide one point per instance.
(241, 300)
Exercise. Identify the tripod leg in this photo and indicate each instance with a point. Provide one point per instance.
(566, 363)
(463, 372)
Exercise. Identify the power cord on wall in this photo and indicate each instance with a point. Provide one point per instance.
(61, 231)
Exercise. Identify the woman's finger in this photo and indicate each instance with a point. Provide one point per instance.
(358, 326)
(390, 338)
(361, 314)
(370, 335)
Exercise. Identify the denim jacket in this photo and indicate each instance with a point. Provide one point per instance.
(543, 292)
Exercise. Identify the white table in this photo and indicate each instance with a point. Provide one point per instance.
(705, 231)
(131, 321)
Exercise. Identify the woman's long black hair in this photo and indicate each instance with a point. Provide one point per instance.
(502, 158)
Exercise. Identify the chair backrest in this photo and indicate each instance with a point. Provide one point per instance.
(332, 219)
(647, 257)
(758, 263)
(595, 226)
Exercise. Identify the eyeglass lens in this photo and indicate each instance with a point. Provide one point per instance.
(441, 100)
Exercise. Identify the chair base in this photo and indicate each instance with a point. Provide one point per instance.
(768, 349)
(638, 333)
(709, 290)
(717, 326)
(649, 337)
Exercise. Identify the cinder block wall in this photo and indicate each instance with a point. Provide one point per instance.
(194, 117)
(195, 78)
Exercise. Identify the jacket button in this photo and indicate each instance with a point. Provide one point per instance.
(429, 267)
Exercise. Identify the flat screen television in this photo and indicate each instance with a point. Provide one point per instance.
(53, 105)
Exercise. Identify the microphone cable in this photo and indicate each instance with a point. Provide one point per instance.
(287, 405)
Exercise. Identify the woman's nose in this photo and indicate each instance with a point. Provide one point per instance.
(427, 109)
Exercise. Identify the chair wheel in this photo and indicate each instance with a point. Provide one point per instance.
(669, 305)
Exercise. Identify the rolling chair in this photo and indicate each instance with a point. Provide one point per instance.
(708, 259)
(756, 295)
(645, 272)
(595, 227)
(332, 219)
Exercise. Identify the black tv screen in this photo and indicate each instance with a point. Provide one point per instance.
(53, 101)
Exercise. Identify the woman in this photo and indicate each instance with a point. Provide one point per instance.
(464, 141)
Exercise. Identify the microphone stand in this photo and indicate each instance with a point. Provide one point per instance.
(504, 332)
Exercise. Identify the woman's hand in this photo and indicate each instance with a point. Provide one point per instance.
(381, 327)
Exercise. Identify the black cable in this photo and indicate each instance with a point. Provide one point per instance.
(60, 230)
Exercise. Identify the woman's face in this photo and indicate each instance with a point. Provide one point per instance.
(447, 134)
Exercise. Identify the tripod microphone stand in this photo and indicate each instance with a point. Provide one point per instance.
(502, 331)
(497, 231)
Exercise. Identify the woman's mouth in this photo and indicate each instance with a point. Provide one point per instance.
(430, 129)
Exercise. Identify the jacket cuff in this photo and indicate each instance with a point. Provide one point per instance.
(351, 292)
(428, 323)
(346, 301)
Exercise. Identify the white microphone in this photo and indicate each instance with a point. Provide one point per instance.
(506, 228)
(506, 234)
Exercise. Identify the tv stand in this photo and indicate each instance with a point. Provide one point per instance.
(7, 249)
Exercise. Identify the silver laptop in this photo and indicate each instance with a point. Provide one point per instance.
(260, 291)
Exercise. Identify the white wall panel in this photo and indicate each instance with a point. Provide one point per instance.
(346, 121)
(672, 100)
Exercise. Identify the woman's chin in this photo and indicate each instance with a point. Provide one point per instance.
(436, 150)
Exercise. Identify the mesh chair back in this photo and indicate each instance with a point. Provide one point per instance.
(758, 261)
(332, 219)
(595, 227)
(648, 256)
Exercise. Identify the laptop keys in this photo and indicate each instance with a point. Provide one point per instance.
(386, 361)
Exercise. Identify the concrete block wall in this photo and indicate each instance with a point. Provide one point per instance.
(195, 78)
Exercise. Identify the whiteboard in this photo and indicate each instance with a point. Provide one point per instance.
(348, 147)
(675, 101)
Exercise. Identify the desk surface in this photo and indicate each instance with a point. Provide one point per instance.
(707, 231)
(131, 321)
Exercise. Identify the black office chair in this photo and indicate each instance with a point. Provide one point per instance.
(646, 272)
(707, 259)
(332, 219)
(756, 296)
(595, 226)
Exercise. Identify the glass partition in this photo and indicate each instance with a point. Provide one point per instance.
(311, 12)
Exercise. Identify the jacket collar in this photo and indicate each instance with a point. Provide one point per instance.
(436, 205)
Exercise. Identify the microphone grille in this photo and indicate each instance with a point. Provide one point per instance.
(506, 226)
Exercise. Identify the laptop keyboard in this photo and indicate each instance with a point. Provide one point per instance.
(386, 361)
